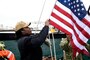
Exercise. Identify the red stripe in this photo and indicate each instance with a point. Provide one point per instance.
(76, 49)
(69, 25)
(62, 29)
(85, 21)
(74, 24)
(78, 39)
(86, 53)
(63, 12)
(61, 20)
(70, 17)
(59, 27)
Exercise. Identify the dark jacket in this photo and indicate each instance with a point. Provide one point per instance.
(30, 46)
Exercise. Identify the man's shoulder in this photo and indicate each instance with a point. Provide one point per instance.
(24, 39)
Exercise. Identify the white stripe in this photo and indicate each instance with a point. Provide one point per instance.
(64, 17)
(64, 8)
(69, 29)
(9, 54)
(87, 17)
(81, 47)
(61, 24)
(87, 29)
(81, 24)
(76, 42)
(82, 37)
(73, 36)
(77, 20)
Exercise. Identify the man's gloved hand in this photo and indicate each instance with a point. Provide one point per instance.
(47, 23)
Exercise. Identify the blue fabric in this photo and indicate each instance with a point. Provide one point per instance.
(76, 6)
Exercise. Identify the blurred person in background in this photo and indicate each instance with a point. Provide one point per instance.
(4, 53)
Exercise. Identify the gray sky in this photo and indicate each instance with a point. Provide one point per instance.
(12, 11)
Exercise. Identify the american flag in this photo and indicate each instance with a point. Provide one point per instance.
(70, 16)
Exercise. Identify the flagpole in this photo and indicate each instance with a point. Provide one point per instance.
(52, 32)
(54, 46)
(51, 49)
(41, 13)
(38, 24)
(53, 37)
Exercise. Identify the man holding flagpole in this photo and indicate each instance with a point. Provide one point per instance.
(30, 45)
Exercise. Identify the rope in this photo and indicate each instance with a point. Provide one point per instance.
(52, 33)
(41, 13)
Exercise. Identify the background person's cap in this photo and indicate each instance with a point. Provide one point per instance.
(20, 25)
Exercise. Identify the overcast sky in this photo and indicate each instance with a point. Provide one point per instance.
(12, 11)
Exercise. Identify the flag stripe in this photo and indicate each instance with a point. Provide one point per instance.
(66, 13)
(81, 24)
(66, 23)
(64, 18)
(59, 27)
(85, 21)
(60, 19)
(60, 23)
(75, 48)
(54, 19)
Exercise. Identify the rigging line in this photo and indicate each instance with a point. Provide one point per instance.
(41, 14)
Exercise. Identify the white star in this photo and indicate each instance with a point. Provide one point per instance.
(64, 1)
(78, 9)
(82, 8)
(72, 7)
(74, 10)
(74, 2)
(79, 14)
(77, 5)
(82, 4)
(69, 4)
(68, 0)
(77, 1)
